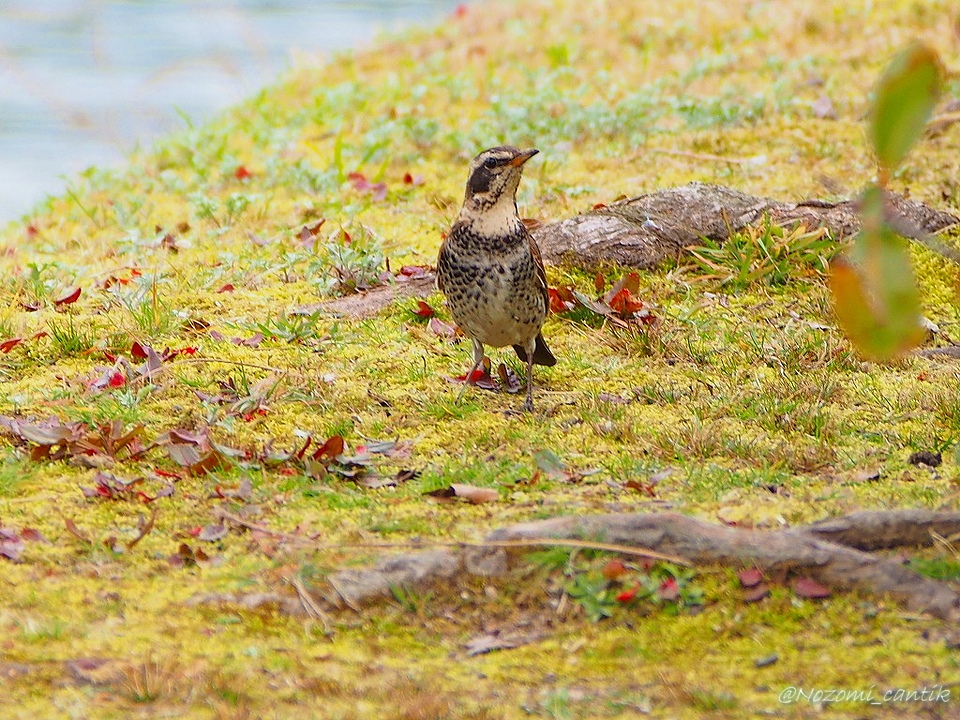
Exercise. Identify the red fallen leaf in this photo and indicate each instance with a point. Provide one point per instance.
(423, 310)
(481, 377)
(599, 206)
(138, 350)
(599, 282)
(69, 298)
(241, 173)
(33, 535)
(629, 282)
(166, 473)
(226, 288)
(442, 329)
(809, 588)
(413, 271)
(414, 180)
(309, 232)
(359, 181)
(345, 237)
(561, 300)
(750, 577)
(32, 231)
(8, 345)
(649, 489)
(756, 593)
(668, 590)
(30, 306)
(613, 569)
(330, 450)
(628, 594)
(625, 304)
(117, 379)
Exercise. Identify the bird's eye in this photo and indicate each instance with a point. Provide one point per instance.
(490, 163)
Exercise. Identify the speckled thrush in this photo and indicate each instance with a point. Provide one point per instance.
(490, 267)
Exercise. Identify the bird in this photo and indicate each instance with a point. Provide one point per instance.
(490, 269)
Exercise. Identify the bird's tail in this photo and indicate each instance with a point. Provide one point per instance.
(541, 353)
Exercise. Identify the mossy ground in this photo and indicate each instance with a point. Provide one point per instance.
(759, 406)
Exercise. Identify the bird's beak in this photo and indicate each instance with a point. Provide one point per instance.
(523, 157)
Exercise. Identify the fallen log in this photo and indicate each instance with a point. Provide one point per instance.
(649, 229)
(646, 230)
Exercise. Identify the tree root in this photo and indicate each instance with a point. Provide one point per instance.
(827, 551)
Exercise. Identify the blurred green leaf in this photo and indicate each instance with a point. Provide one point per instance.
(874, 292)
(906, 96)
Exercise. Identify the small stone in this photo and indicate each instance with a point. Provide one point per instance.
(766, 661)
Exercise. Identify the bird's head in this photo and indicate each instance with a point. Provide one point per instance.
(491, 195)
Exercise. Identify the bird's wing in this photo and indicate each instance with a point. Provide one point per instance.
(541, 273)
(441, 261)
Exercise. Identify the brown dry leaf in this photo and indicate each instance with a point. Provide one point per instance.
(756, 593)
(475, 494)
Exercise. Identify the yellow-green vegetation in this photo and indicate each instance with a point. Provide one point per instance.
(745, 391)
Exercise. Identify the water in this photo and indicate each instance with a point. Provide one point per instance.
(82, 81)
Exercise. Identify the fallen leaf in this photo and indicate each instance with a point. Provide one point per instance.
(423, 310)
(212, 533)
(470, 493)
(8, 345)
(11, 545)
(490, 642)
(330, 450)
(756, 593)
(475, 494)
(561, 299)
(614, 569)
(750, 577)
(648, 489)
(33, 535)
(144, 527)
(70, 297)
(669, 590)
(442, 329)
(809, 588)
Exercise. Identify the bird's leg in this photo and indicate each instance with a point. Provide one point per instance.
(477, 361)
(528, 403)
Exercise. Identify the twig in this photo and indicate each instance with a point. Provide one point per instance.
(310, 607)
